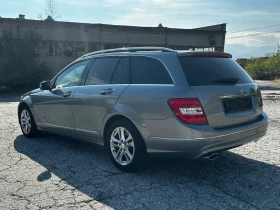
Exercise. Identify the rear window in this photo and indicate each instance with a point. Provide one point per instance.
(201, 71)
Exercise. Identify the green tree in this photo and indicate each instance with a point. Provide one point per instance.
(20, 64)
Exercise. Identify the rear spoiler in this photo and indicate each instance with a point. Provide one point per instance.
(204, 54)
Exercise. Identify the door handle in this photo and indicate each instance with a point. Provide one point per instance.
(107, 91)
(67, 94)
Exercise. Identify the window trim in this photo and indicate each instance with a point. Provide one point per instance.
(53, 81)
(129, 66)
(150, 57)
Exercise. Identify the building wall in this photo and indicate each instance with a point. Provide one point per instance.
(63, 42)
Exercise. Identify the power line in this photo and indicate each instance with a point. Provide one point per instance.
(253, 35)
(254, 29)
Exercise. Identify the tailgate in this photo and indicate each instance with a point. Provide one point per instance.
(226, 106)
(227, 93)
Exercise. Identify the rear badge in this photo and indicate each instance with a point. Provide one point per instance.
(242, 90)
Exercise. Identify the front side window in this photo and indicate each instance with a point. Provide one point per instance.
(71, 76)
(101, 71)
(146, 70)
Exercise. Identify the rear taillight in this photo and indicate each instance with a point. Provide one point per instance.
(188, 110)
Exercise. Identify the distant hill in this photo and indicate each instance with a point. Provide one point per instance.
(242, 51)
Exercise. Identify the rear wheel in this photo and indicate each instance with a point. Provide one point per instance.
(27, 123)
(126, 146)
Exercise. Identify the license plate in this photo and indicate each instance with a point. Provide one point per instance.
(238, 104)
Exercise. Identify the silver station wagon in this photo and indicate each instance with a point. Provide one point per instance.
(144, 102)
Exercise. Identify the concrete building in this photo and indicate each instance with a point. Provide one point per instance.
(63, 42)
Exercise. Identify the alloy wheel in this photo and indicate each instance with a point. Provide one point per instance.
(25, 121)
(122, 146)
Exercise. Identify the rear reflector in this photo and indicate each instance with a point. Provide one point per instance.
(188, 110)
(260, 101)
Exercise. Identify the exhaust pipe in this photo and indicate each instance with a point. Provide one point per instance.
(212, 156)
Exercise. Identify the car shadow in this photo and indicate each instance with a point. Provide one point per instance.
(232, 180)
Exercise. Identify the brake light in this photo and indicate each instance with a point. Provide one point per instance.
(188, 110)
(210, 54)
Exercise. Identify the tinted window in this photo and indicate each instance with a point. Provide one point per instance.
(101, 71)
(148, 71)
(201, 71)
(71, 76)
(122, 74)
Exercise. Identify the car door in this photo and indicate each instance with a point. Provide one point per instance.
(106, 80)
(55, 104)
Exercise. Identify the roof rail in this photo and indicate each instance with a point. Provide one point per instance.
(130, 49)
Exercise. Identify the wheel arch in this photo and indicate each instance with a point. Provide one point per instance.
(113, 119)
(20, 106)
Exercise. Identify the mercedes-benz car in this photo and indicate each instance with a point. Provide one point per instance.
(149, 102)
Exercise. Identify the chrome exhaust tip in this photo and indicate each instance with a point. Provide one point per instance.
(212, 156)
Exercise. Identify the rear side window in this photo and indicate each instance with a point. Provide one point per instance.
(201, 71)
(148, 71)
(101, 71)
(122, 73)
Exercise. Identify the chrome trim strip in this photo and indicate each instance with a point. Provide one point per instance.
(152, 84)
(211, 137)
(55, 126)
(87, 131)
(236, 96)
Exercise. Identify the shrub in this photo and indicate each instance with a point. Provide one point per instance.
(264, 68)
(20, 64)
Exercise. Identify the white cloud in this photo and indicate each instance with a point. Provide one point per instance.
(113, 2)
(86, 3)
(174, 4)
(139, 19)
(253, 38)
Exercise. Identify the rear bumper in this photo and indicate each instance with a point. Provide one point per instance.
(217, 140)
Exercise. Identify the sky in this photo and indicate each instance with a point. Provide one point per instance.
(240, 15)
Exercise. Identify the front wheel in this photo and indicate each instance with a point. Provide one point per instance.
(126, 146)
(27, 123)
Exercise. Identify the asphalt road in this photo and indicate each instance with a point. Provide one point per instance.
(53, 172)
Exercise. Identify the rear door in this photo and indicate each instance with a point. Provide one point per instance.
(106, 80)
(227, 93)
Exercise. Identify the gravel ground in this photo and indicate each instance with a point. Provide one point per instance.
(268, 85)
(53, 172)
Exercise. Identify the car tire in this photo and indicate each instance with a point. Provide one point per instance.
(27, 123)
(126, 146)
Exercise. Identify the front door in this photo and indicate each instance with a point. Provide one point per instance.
(55, 106)
(107, 79)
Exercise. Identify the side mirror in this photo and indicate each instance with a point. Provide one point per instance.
(45, 85)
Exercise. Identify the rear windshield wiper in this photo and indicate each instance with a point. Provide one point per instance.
(226, 80)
